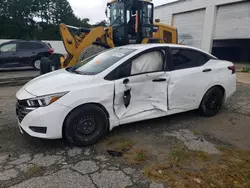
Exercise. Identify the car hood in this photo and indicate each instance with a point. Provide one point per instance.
(56, 82)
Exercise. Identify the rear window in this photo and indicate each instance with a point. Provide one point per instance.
(38, 46)
(49, 45)
(102, 61)
(30, 46)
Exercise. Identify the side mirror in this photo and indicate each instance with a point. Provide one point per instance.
(106, 12)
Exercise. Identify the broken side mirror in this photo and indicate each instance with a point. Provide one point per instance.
(127, 93)
(125, 81)
(127, 97)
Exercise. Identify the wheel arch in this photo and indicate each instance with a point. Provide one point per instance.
(217, 85)
(82, 105)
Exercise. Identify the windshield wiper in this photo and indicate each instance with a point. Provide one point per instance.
(72, 70)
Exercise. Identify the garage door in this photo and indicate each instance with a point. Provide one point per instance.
(233, 21)
(190, 27)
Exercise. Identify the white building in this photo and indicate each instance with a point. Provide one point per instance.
(218, 26)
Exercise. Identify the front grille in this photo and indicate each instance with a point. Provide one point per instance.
(22, 109)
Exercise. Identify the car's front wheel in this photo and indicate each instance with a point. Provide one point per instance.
(85, 125)
(212, 102)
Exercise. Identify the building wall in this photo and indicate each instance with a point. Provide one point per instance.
(166, 13)
(233, 21)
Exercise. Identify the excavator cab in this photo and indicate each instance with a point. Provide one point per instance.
(131, 20)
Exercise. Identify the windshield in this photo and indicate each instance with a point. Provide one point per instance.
(116, 13)
(147, 13)
(100, 62)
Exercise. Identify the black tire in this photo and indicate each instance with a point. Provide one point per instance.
(212, 102)
(45, 66)
(85, 125)
(90, 51)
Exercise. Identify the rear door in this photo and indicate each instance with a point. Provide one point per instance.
(26, 53)
(191, 75)
(141, 87)
(8, 56)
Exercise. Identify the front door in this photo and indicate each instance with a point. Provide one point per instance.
(8, 56)
(190, 76)
(141, 91)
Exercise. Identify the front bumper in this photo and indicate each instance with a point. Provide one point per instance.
(50, 118)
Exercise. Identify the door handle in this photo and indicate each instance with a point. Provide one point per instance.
(160, 80)
(207, 70)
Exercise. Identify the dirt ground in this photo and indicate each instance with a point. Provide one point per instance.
(28, 162)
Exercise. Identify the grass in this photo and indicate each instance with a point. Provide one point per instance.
(230, 169)
(132, 155)
(34, 170)
(180, 155)
(121, 145)
(246, 69)
(124, 145)
(136, 156)
(196, 132)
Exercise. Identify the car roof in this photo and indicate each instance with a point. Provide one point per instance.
(148, 46)
(17, 40)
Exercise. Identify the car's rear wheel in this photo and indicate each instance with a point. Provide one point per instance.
(85, 125)
(37, 64)
(212, 102)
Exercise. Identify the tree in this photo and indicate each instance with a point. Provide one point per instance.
(36, 19)
(101, 23)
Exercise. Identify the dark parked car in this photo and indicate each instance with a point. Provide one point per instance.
(23, 53)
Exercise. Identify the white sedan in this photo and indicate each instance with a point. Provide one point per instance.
(123, 85)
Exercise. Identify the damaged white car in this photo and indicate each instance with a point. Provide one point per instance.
(122, 85)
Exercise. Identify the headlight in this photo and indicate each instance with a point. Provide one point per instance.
(44, 100)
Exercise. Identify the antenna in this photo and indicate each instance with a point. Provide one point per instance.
(182, 41)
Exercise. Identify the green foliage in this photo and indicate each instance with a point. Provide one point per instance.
(36, 19)
(246, 69)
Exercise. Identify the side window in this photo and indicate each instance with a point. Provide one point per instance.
(25, 46)
(167, 36)
(187, 58)
(146, 63)
(8, 47)
(149, 62)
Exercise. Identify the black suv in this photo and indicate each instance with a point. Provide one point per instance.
(23, 53)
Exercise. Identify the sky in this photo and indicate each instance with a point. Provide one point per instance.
(95, 9)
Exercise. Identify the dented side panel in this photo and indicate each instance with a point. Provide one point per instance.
(147, 96)
(187, 87)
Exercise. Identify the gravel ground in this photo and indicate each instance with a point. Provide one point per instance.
(30, 162)
(10, 74)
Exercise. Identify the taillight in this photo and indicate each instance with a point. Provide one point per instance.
(51, 50)
(232, 68)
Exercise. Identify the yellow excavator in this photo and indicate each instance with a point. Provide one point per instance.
(130, 22)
